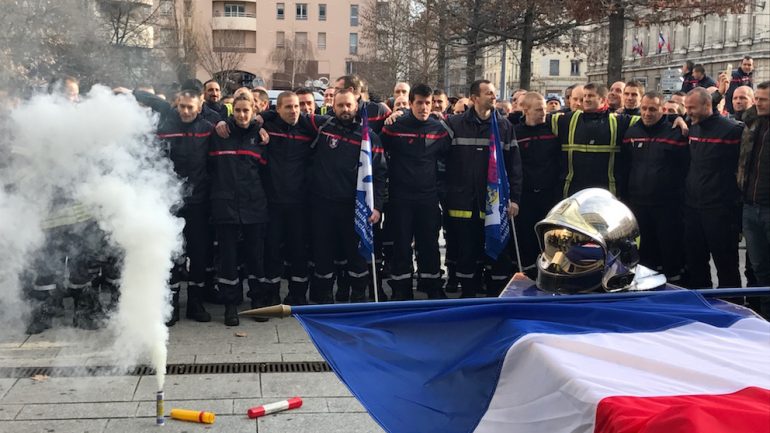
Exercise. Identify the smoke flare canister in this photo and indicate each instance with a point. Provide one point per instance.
(193, 416)
(159, 412)
(279, 406)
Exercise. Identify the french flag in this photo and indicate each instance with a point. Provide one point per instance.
(664, 363)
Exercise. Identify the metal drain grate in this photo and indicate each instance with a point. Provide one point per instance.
(171, 369)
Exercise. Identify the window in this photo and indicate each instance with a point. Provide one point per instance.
(553, 67)
(354, 43)
(280, 39)
(301, 11)
(354, 15)
(322, 12)
(349, 69)
(188, 8)
(167, 38)
(166, 8)
(280, 11)
(574, 68)
(235, 10)
(300, 40)
(321, 40)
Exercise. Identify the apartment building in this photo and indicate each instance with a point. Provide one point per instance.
(280, 44)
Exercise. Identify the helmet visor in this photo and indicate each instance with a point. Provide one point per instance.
(571, 252)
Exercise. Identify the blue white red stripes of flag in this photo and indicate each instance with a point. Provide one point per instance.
(664, 363)
(497, 231)
(662, 42)
(365, 193)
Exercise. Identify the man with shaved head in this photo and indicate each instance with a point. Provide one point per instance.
(711, 194)
(614, 98)
(743, 99)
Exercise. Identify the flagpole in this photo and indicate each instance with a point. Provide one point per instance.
(374, 279)
(516, 243)
(424, 305)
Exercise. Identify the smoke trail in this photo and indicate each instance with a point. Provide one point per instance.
(100, 152)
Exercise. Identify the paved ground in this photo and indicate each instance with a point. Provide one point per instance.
(121, 403)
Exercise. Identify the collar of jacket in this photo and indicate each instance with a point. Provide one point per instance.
(235, 128)
(655, 126)
(471, 115)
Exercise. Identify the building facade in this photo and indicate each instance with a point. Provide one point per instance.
(279, 44)
(715, 42)
(552, 70)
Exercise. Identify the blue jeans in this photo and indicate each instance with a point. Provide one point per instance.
(756, 229)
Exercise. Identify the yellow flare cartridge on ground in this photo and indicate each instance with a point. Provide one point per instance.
(193, 415)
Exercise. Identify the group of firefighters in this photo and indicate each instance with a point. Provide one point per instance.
(270, 192)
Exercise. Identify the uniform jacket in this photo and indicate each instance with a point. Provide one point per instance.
(334, 171)
(658, 158)
(540, 157)
(237, 194)
(714, 147)
(591, 150)
(290, 154)
(414, 148)
(468, 160)
(186, 144)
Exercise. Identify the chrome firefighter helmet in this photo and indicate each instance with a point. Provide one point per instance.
(588, 242)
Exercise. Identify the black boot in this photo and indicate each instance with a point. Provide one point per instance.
(88, 313)
(175, 312)
(452, 284)
(259, 294)
(41, 319)
(195, 310)
(231, 315)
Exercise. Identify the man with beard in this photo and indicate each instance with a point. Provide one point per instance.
(467, 165)
(213, 110)
(333, 178)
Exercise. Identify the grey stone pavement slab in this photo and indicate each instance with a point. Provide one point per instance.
(114, 404)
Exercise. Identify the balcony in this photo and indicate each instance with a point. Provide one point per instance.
(234, 21)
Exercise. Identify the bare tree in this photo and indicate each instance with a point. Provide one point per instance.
(128, 23)
(220, 53)
(294, 58)
(182, 43)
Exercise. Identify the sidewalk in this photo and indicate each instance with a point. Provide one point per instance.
(125, 403)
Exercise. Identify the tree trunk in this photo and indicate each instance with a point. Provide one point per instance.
(441, 56)
(616, 35)
(525, 70)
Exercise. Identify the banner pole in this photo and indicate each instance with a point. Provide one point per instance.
(374, 279)
(516, 243)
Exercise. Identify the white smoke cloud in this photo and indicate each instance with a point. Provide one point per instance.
(99, 152)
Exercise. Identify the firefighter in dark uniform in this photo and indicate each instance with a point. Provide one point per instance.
(185, 136)
(289, 152)
(376, 115)
(61, 267)
(414, 143)
(591, 141)
(541, 188)
(466, 174)
(658, 159)
(743, 76)
(239, 204)
(333, 179)
(712, 199)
